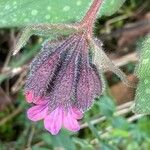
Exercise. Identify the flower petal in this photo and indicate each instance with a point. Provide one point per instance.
(71, 123)
(76, 113)
(29, 96)
(37, 113)
(53, 121)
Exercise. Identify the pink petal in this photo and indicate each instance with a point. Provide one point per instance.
(29, 96)
(71, 123)
(53, 121)
(36, 100)
(76, 113)
(37, 113)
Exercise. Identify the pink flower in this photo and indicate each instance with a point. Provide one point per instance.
(56, 119)
(62, 84)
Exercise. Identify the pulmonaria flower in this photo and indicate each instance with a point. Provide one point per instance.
(62, 83)
(66, 76)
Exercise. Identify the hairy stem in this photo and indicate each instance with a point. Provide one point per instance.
(90, 16)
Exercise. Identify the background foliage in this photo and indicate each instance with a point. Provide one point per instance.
(20, 12)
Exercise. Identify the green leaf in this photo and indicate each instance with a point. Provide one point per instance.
(46, 137)
(107, 106)
(143, 68)
(109, 7)
(39, 148)
(83, 144)
(120, 133)
(142, 100)
(119, 122)
(22, 12)
(144, 124)
(133, 146)
(108, 147)
(63, 140)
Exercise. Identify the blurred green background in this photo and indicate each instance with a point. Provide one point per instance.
(110, 124)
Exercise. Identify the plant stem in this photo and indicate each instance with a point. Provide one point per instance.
(90, 16)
